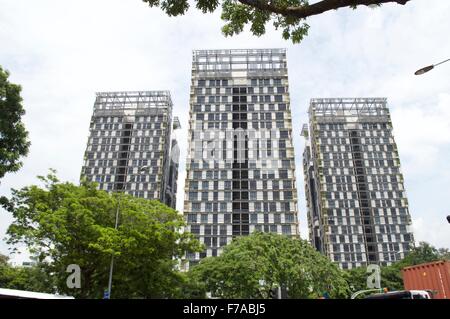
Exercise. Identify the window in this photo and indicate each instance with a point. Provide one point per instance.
(289, 218)
(193, 185)
(195, 229)
(192, 218)
(286, 229)
(193, 196)
(201, 99)
(283, 173)
(222, 241)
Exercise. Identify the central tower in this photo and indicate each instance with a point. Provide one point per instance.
(240, 166)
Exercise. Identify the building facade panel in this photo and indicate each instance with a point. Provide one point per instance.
(129, 144)
(357, 205)
(240, 166)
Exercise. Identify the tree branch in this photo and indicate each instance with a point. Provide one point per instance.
(304, 11)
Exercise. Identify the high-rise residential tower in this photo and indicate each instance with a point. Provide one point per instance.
(357, 206)
(129, 145)
(240, 165)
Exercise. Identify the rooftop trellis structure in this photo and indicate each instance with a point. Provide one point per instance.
(344, 109)
(141, 101)
(256, 62)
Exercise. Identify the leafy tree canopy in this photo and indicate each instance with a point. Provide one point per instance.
(32, 278)
(66, 224)
(251, 266)
(13, 137)
(286, 15)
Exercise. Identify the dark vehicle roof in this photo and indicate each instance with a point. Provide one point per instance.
(391, 295)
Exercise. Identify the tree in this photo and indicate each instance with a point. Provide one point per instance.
(287, 15)
(13, 137)
(357, 278)
(252, 266)
(66, 224)
(32, 278)
(6, 274)
(420, 254)
(444, 253)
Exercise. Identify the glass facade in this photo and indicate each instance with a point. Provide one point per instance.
(129, 143)
(357, 206)
(240, 165)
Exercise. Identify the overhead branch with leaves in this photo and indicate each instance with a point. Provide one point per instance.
(289, 16)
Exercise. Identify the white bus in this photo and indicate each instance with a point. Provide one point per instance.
(23, 294)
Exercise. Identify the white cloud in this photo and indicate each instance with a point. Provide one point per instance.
(432, 230)
(62, 52)
(423, 146)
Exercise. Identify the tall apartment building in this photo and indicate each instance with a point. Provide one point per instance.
(357, 206)
(240, 165)
(129, 145)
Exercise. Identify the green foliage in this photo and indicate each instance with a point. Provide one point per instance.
(356, 278)
(190, 287)
(237, 15)
(13, 137)
(251, 266)
(32, 278)
(444, 253)
(286, 15)
(207, 5)
(420, 254)
(69, 224)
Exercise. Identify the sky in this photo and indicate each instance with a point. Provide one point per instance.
(62, 52)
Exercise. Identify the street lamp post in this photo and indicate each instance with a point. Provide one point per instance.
(111, 267)
(429, 68)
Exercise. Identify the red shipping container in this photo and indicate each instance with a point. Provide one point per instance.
(429, 276)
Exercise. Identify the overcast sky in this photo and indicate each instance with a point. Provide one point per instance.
(62, 52)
